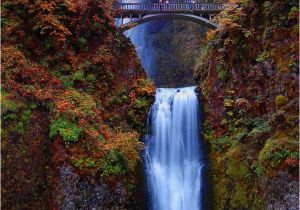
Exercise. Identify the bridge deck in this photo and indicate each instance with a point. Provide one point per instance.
(126, 9)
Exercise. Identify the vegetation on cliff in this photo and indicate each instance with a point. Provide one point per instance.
(66, 60)
(248, 73)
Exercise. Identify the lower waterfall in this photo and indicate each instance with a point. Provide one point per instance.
(173, 151)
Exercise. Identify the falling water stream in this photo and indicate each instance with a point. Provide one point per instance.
(173, 151)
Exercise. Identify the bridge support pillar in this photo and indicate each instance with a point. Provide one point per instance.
(130, 17)
(210, 17)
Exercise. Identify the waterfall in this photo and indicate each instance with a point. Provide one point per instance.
(174, 151)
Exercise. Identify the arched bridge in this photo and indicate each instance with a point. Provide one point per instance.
(139, 13)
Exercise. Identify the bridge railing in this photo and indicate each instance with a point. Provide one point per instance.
(169, 7)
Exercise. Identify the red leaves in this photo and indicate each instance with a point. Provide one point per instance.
(291, 162)
(105, 131)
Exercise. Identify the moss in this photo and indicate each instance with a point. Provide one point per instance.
(220, 191)
(236, 167)
(239, 199)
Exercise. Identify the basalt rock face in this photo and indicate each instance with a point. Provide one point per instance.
(74, 102)
(248, 75)
(75, 191)
(281, 192)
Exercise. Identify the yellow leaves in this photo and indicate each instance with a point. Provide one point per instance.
(126, 142)
(47, 6)
(229, 23)
(234, 1)
(210, 35)
(71, 5)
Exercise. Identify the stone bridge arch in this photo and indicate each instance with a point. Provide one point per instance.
(139, 13)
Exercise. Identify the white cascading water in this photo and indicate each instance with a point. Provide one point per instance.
(173, 150)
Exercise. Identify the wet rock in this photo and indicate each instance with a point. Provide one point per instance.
(281, 192)
(75, 191)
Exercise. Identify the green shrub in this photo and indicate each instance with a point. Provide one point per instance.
(82, 41)
(8, 5)
(140, 102)
(221, 143)
(67, 81)
(90, 163)
(78, 76)
(85, 163)
(260, 58)
(113, 164)
(91, 78)
(222, 71)
(101, 138)
(293, 12)
(68, 130)
(26, 116)
(261, 126)
(9, 117)
(20, 128)
(49, 43)
(135, 121)
(257, 169)
(242, 134)
(113, 101)
(7, 105)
